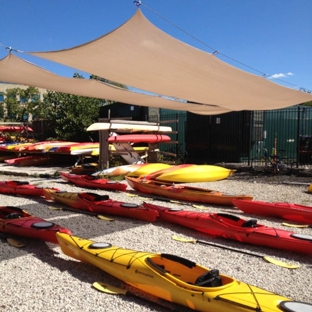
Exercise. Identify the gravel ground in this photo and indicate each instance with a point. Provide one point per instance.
(39, 277)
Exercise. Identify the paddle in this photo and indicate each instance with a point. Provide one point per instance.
(303, 226)
(112, 290)
(266, 258)
(83, 212)
(11, 241)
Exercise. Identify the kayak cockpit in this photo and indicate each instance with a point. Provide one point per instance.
(9, 212)
(187, 274)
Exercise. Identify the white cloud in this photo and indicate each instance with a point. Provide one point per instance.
(280, 75)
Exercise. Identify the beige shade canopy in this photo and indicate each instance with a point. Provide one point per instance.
(16, 70)
(140, 55)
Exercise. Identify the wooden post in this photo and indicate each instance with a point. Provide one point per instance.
(103, 146)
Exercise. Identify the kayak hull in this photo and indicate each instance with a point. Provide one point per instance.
(15, 221)
(171, 277)
(183, 192)
(92, 203)
(88, 181)
(284, 210)
(235, 228)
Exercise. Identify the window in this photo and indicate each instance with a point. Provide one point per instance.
(35, 97)
(24, 99)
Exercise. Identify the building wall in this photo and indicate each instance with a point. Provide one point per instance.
(4, 86)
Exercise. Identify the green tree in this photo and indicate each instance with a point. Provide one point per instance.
(12, 107)
(20, 103)
(70, 115)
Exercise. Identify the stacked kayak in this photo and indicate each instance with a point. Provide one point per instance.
(177, 279)
(22, 188)
(188, 173)
(234, 228)
(15, 129)
(88, 181)
(183, 192)
(16, 221)
(138, 138)
(92, 203)
(284, 210)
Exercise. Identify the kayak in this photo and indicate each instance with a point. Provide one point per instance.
(235, 228)
(71, 146)
(15, 129)
(92, 203)
(176, 279)
(88, 181)
(310, 188)
(139, 138)
(188, 173)
(147, 169)
(32, 160)
(134, 170)
(284, 210)
(22, 188)
(84, 168)
(183, 192)
(16, 221)
(37, 147)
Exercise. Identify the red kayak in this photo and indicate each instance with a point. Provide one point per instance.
(235, 228)
(139, 138)
(16, 221)
(284, 210)
(30, 160)
(92, 203)
(93, 182)
(15, 129)
(21, 188)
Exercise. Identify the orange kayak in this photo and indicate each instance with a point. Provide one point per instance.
(183, 192)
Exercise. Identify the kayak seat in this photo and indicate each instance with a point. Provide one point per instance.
(21, 182)
(209, 279)
(13, 215)
(228, 216)
(250, 223)
(93, 197)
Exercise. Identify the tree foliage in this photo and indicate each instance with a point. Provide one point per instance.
(70, 115)
(20, 103)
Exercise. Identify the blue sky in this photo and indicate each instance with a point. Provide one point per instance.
(271, 36)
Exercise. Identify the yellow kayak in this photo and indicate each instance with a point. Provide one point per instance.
(188, 173)
(176, 279)
(148, 168)
(310, 188)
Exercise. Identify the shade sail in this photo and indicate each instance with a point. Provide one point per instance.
(16, 70)
(140, 55)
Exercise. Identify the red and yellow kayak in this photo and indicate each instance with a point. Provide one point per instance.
(92, 203)
(183, 192)
(235, 228)
(16, 221)
(177, 279)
